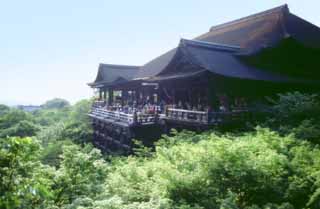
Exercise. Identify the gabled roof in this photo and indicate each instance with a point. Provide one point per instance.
(289, 57)
(251, 34)
(196, 57)
(156, 65)
(109, 74)
(264, 29)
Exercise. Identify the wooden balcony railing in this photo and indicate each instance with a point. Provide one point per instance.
(179, 115)
(228, 116)
(203, 117)
(117, 116)
(187, 115)
(98, 103)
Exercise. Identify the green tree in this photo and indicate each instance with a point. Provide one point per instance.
(256, 170)
(56, 103)
(22, 129)
(296, 113)
(17, 123)
(24, 181)
(81, 174)
(13, 117)
(51, 153)
(48, 117)
(78, 127)
(292, 108)
(4, 109)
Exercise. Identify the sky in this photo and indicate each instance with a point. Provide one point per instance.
(51, 49)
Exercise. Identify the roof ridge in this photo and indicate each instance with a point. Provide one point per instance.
(119, 66)
(282, 8)
(210, 45)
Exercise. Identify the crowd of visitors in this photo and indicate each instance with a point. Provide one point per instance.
(161, 106)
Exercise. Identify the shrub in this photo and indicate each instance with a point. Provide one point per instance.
(256, 170)
(24, 181)
(296, 113)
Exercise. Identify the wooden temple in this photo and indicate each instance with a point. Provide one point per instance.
(218, 78)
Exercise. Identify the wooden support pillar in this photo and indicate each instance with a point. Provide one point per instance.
(132, 97)
(137, 96)
(110, 94)
(124, 96)
(100, 94)
(104, 95)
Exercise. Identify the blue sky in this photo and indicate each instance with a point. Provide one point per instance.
(52, 48)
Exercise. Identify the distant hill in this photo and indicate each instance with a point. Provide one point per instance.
(29, 108)
(56, 103)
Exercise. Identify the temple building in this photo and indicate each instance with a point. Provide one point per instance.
(217, 78)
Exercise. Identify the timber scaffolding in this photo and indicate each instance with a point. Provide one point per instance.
(218, 78)
(114, 130)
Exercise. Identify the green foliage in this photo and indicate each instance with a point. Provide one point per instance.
(17, 123)
(296, 106)
(307, 129)
(4, 109)
(186, 171)
(51, 154)
(27, 183)
(78, 132)
(140, 150)
(51, 134)
(56, 103)
(296, 113)
(78, 127)
(255, 170)
(53, 128)
(24, 180)
(12, 117)
(81, 174)
(68, 123)
(48, 117)
(22, 129)
(80, 109)
(262, 169)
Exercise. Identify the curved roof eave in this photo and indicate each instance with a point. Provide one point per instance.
(109, 73)
(219, 60)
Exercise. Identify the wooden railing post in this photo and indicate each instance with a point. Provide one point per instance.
(208, 119)
(135, 117)
(156, 117)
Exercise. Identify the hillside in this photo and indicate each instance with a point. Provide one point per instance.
(47, 161)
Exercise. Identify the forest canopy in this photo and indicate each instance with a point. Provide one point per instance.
(56, 103)
(273, 163)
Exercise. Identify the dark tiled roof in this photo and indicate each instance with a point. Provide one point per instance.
(251, 34)
(195, 57)
(156, 65)
(214, 50)
(304, 31)
(109, 74)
